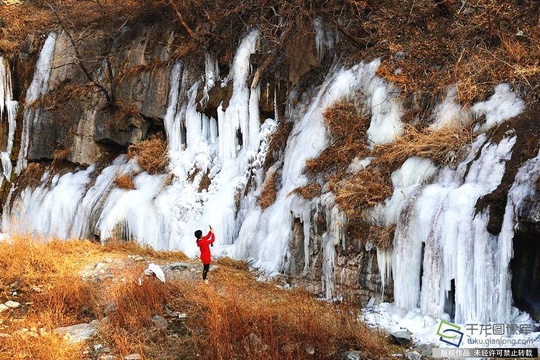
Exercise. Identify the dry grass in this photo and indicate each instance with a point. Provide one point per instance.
(119, 246)
(347, 130)
(42, 16)
(309, 192)
(269, 190)
(62, 93)
(372, 185)
(365, 188)
(44, 277)
(151, 155)
(381, 236)
(246, 320)
(31, 175)
(440, 145)
(234, 316)
(348, 133)
(277, 143)
(124, 181)
(233, 264)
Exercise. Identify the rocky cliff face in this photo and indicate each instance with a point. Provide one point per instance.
(76, 115)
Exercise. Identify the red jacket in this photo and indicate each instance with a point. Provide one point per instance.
(204, 245)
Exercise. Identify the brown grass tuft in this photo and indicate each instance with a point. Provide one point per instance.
(348, 133)
(124, 181)
(31, 176)
(440, 145)
(309, 192)
(151, 154)
(382, 237)
(364, 189)
(269, 190)
(233, 264)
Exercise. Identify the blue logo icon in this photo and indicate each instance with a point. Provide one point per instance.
(449, 333)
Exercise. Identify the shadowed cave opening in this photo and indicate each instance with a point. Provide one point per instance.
(525, 267)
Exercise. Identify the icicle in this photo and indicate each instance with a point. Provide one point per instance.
(9, 106)
(384, 263)
(238, 123)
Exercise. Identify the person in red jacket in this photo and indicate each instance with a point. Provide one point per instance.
(204, 245)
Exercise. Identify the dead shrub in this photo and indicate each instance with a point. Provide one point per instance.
(151, 154)
(62, 93)
(124, 181)
(59, 156)
(136, 302)
(7, 46)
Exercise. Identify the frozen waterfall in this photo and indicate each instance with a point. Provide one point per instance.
(444, 260)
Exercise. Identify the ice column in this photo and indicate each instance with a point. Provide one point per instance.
(9, 107)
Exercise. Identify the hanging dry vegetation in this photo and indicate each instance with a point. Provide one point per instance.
(269, 190)
(347, 130)
(151, 154)
(372, 185)
(441, 145)
(124, 181)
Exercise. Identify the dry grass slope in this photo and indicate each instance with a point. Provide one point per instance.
(233, 317)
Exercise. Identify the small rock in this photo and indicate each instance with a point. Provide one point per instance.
(110, 309)
(159, 322)
(351, 355)
(402, 338)
(426, 350)
(414, 355)
(77, 333)
(12, 304)
(107, 357)
(178, 266)
(132, 357)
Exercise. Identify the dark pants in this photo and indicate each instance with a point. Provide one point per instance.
(205, 271)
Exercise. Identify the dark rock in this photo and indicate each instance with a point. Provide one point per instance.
(402, 338)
